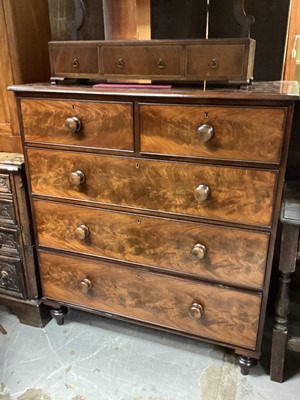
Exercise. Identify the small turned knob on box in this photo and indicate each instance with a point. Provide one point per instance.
(205, 133)
(199, 251)
(201, 193)
(196, 311)
(85, 285)
(77, 178)
(82, 232)
(73, 124)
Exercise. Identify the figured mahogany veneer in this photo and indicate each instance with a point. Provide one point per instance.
(231, 254)
(228, 315)
(106, 125)
(237, 194)
(241, 133)
(159, 206)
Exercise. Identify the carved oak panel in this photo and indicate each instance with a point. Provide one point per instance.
(9, 242)
(7, 214)
(4, 183)
(11, 277)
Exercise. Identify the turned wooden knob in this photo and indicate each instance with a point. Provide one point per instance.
(199, 251)
(202, 193)
(73, 124)
(82, 232)
(196, 311)
(85, 285)
(205, 133)
(77, 178)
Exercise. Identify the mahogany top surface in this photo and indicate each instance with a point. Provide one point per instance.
(277, 90)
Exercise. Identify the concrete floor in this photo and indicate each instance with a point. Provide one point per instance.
(95, 358)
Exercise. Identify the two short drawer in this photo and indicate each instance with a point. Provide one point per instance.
(252, 134)
(208, 311)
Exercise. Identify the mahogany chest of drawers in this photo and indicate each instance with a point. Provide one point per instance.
(19, 282)
(159, 207)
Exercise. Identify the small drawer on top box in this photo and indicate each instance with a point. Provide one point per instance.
(252, 134)
(226, 61)
(142, 61)
(78, 123)
(75, 60)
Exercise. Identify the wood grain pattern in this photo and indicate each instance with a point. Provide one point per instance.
(24, 36)
(233, 255)
(240, 133)
(230, 316)
(120, 19)
(104, 124)
(237, 194)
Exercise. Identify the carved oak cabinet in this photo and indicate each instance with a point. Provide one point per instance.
(159, 207)
(19, 287)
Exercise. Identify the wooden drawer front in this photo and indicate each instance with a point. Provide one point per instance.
(11, 278)
(227, 61)
(74, 60)
(229, 316)
(9, 242)
(4, 184)
(237, 194)
(7, 214)
(141, 60)
(232, 255)
(102, 125)
(248, 134)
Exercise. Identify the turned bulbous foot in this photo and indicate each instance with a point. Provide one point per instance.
(246, 363)
(59, 314)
